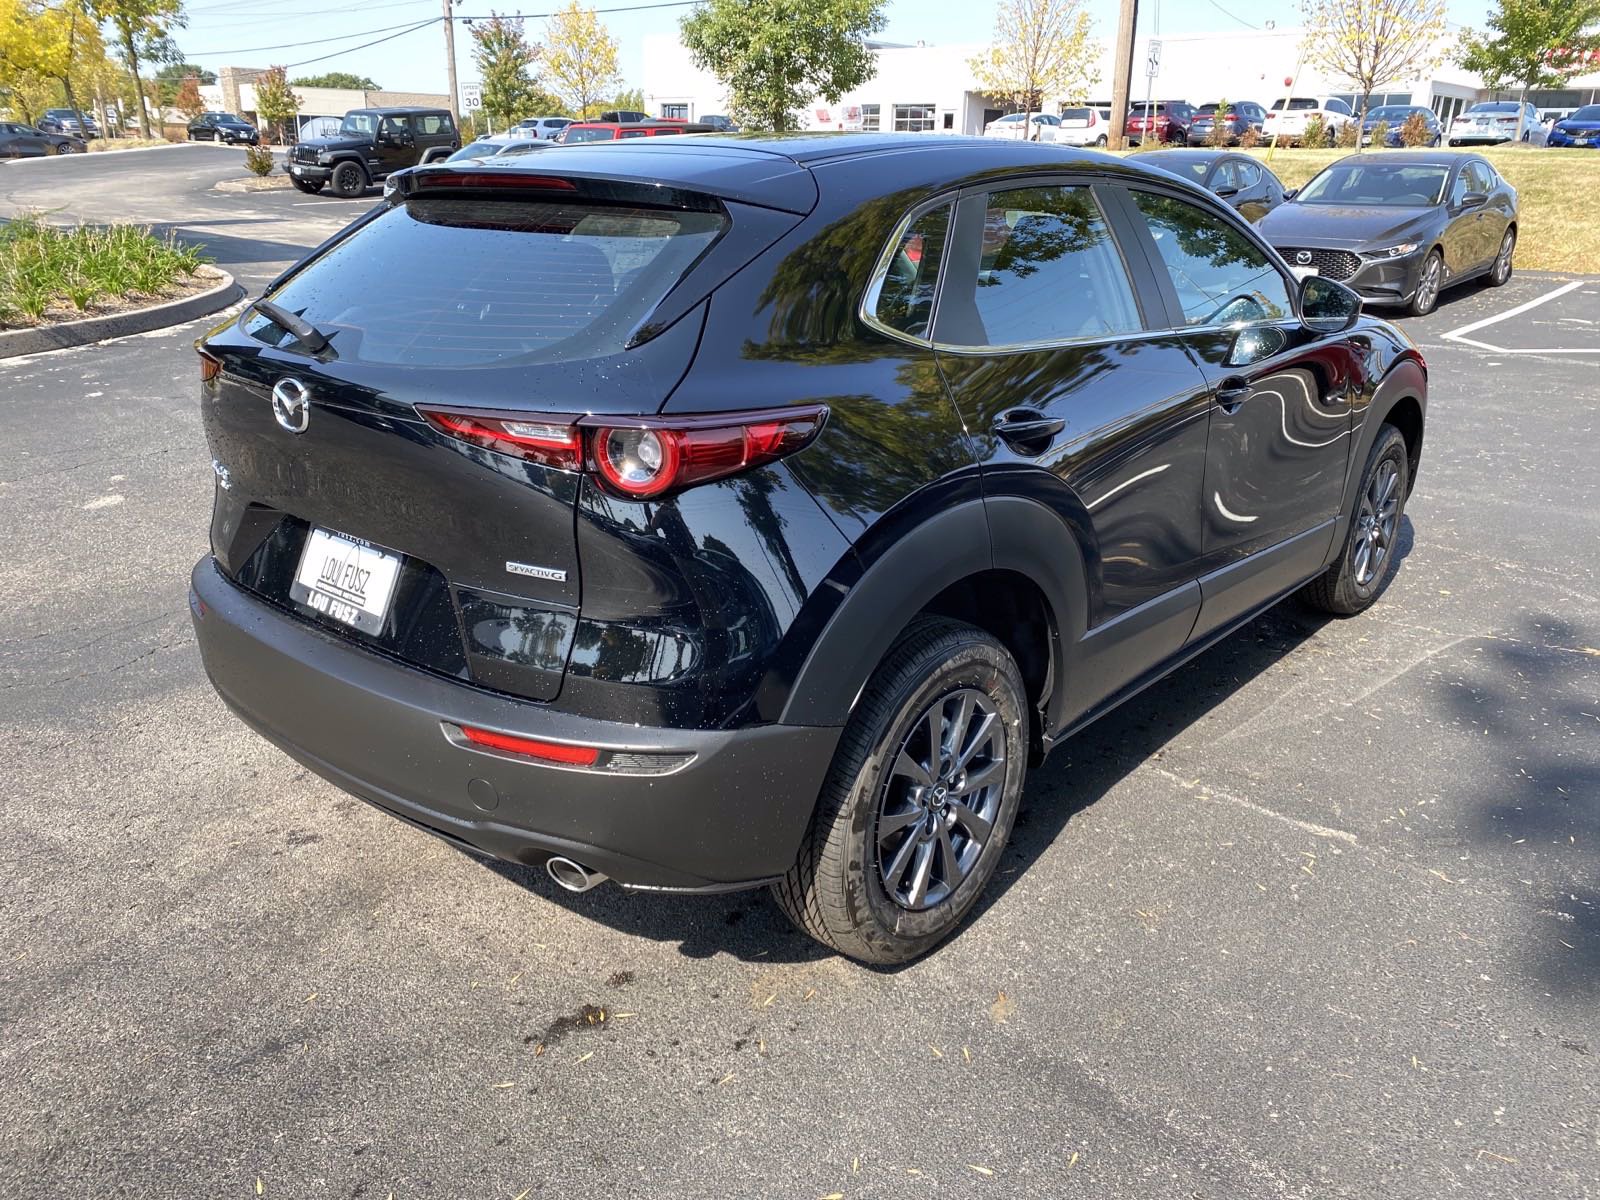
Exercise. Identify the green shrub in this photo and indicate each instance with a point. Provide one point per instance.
(1380, 135)
(1219, 126)
(1414, 132)
(258, 159)
(1316, 133)
(1349, 135)
(42, 268)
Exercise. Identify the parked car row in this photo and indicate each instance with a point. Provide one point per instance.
(1397, 228)
(1178, 123)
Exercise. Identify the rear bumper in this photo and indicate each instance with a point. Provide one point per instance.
(732, 817)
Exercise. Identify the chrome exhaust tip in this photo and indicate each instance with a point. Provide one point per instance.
(575, 877)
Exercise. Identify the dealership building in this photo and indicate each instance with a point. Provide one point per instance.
(923, 88)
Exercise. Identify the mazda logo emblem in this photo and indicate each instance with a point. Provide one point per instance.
(291, 404)
(1303, 257)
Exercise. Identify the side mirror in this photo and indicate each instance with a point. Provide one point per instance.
(1290, 193)
(1474, 200)
(1327, 306)
(1254, 343)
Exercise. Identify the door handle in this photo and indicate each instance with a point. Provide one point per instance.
(1026, 430)
(1232, 392)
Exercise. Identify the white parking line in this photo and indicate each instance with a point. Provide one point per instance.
(1459, 335)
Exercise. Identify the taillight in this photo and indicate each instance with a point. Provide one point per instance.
(548, 442)
(641, 458)
(210, 367)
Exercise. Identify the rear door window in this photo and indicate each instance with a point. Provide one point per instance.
(1049, 271)
(1221, 277)
(469, 282)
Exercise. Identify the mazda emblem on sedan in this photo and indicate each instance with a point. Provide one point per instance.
(713, 513)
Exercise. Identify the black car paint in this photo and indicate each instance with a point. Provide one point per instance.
(222, 127)
(739, 620)
(1253, 200)
(1467, 235)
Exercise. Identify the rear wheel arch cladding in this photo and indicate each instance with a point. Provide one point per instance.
(976, 537)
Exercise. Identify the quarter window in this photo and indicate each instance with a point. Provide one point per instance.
(1048, 271)
(1220, 276)
(905, 298)
(913, 118)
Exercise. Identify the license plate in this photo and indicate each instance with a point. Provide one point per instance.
(346, 578)
(297, 170)
(1303, 272)
(1581, 141)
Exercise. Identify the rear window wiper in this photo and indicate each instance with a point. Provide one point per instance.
(307, 334)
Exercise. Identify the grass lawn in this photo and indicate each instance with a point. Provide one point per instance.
(49, 274)
(1558, 230)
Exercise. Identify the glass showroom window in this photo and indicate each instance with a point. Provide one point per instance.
(870, 117)
(913, 118)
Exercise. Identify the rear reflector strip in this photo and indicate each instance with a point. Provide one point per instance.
(556, 752)
(565, 755)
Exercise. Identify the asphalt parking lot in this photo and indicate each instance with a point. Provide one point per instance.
(1315, 917)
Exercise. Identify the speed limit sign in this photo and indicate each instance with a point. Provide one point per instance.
(471, 95)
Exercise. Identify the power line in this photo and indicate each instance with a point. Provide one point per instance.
(306, 62)
(343, 37)
(1231, 16)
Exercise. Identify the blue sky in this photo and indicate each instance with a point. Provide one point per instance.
(263, 32)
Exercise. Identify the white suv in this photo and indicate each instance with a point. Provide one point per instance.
(1086, 126)
(541, 127)
(1289, 121)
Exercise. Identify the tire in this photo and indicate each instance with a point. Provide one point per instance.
(309, 187)
(1102, 141)
(1500, 273)
(65, 148)
(349, 180)
(1355, 580)
(1430, 282)
(888, 897)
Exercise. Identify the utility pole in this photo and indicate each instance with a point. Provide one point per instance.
(450, 62)
(1121, 71)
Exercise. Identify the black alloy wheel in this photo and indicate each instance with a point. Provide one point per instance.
(920, 800)
(1366, 562)
(349, 180)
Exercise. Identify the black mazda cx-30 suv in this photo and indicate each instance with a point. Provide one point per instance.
(706, 513)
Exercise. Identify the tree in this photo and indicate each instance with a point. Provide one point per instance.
(580, 57)
(1534, 44)
(1372, 43)
(275, 100)
(170, 79)
(628, 99)
(46, 49)
(143, 29)
(505, 59)
(1041, 52)
(188, 100)
(775, 56)
(337, 79)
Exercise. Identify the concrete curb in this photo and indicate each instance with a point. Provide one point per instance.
(16, 342)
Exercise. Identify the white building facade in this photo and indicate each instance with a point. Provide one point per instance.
(931, 89)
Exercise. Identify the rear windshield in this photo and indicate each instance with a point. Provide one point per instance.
(468, 282)
(1495, 106)
(1393, 112)
(476, 150)
(588, 135)
(1076, 114)
(1179, 164)
(1296, 104)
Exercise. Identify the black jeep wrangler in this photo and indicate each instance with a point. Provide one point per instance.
(373, 143)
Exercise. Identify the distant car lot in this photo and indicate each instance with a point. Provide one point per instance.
(1357, 873)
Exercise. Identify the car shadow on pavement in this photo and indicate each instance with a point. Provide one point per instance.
(749, 925)
(1534, 696)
